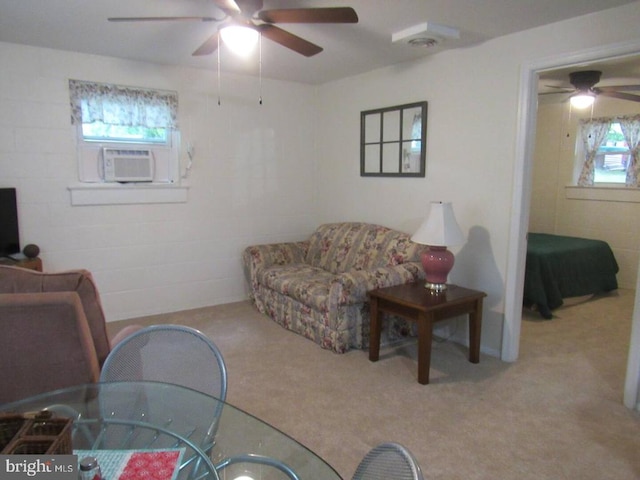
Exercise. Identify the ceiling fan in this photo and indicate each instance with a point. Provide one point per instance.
(249, 13)
(584, 84)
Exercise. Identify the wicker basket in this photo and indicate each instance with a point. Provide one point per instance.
(41, 435)
(10, 425)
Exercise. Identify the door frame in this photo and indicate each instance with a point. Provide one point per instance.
(521, 203)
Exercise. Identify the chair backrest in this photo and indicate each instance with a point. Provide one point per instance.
(388, 461)
(171, 354)
(21, 280)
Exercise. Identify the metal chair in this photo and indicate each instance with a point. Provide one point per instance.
(386, 461)
(170, 354)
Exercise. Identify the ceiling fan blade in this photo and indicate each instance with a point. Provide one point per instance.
(615, 88)
(556, 93)
(289, 40)
(162, 19)
(310, 15)
(561, 89)
(620, 96)
(249, 7)
(227, 6)
(208, 47)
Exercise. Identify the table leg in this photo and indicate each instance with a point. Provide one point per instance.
(425, 333)
(375, 329)
(475, 327)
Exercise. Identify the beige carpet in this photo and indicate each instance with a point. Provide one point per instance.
(556, 413)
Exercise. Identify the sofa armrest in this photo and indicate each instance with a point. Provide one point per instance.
(47, 348)
(351, 287)
(257, 257)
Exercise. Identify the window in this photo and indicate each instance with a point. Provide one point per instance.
(612, 158)
(101, 132)
(608, 152)
(110, 117)
(393, 141)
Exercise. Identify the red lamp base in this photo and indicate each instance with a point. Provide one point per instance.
(437, 263)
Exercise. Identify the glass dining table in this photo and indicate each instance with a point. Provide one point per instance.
(212, 439)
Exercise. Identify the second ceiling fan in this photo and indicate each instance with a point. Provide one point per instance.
(584, 83)
(249, 13)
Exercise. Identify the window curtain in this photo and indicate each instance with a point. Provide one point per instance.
(630, 126)
(122, 106)
(593, 133)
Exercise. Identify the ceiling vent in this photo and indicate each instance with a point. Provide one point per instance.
(425, 35)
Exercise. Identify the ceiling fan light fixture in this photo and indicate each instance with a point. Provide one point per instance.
(582, 99)
(240, 39)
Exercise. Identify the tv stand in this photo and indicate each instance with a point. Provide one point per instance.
(29, 263)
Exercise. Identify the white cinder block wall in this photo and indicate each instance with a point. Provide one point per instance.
(251, 180)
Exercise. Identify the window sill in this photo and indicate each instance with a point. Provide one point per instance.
(603, 194)
(126, 193)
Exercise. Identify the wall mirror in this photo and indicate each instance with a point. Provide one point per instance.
(393, 141)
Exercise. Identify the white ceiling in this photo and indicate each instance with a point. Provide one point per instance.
(349, 49)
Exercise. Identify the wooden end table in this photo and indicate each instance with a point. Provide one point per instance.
(417, 304)
(28, 263)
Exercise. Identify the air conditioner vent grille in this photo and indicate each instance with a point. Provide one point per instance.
(127, 165)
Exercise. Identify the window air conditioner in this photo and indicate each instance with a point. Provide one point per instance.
(127, 165)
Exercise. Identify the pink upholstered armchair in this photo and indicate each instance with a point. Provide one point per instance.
(52, 331)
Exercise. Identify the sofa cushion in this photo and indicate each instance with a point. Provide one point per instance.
(340, 247)
(308, 285)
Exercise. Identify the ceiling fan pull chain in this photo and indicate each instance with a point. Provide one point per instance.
(218, 76)
(569, 120)
(260, 65)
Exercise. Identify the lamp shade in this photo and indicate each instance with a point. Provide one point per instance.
(440, 228)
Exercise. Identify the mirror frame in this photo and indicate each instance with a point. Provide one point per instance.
(383, 150)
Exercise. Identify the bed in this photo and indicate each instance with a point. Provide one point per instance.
(560, 267)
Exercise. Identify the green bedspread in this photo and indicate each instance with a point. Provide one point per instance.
(559, 267)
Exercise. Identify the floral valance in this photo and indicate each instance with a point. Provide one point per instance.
(609, 120)
(123, 106)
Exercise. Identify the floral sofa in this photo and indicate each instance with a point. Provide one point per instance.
(318, 287)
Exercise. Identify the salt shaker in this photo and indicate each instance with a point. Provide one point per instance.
(89, 469)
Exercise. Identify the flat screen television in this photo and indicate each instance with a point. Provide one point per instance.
(9, 234)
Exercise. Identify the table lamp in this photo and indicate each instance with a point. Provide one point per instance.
(438, 231)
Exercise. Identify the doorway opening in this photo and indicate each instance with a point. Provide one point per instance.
(521, 202)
